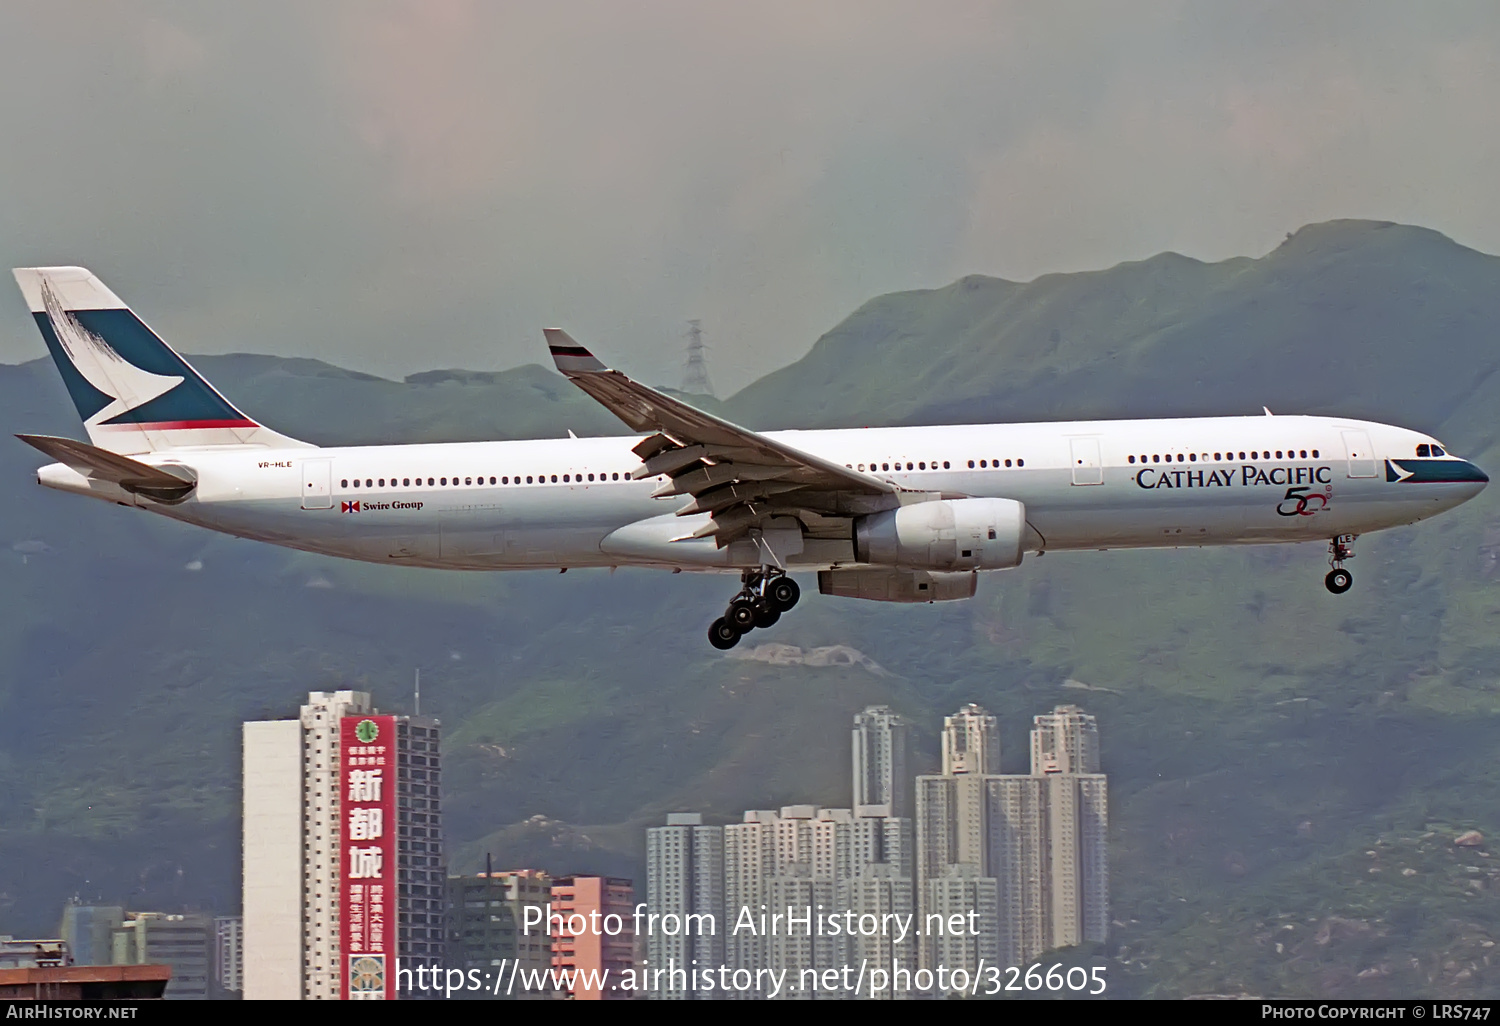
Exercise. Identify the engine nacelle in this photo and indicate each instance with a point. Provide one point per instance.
(897, 585)
(945, 534)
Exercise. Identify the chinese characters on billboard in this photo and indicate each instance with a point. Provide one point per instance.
(368, 856)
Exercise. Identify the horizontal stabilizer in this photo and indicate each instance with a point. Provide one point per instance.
(160, 483)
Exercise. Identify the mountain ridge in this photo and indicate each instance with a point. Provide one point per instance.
(1244, 703)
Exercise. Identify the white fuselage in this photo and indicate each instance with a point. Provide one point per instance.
(571, 502)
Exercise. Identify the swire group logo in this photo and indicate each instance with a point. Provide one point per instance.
(349, 507)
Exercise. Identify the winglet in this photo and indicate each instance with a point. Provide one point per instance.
(570, 357)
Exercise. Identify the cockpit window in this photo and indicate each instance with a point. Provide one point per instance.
(1422, 450)
(1437, 450)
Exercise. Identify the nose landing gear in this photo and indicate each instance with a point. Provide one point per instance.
(1341, 548)
(765, 594)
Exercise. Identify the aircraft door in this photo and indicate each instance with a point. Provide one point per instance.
(1088, 468)
(317, 484)
(1361, 454)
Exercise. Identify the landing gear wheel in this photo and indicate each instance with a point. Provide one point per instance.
(1339, 581)
(783, 593)
(722, 635)
(766, 614)
(741, 614)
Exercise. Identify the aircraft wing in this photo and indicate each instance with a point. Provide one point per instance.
(131, 475)
(739, 476)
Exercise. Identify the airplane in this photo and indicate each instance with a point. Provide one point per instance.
(903, 514)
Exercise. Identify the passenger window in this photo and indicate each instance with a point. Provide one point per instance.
(492, 480)
(1217, 457)
(971, 464)
(885, 466)
(1155, 458)
(1304, 454)
(908, 466)
(445, 480)
(1278, 454)
(617, 477)
(369, 483)
(554, 479)
(1193, 457)
(984, 464)
(1130, 459)
(344, 483)
(406, 482)
(945, 465)
(1315, 454)
(921, 466)
(1007, 463)
(861, 467)
(467, 480)
(1255, 454)
(528, 479)
(565, 479)
(1020, 463)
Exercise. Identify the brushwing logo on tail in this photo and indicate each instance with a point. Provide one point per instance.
(102, 367)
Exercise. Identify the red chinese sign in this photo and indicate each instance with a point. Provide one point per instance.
(367, 846)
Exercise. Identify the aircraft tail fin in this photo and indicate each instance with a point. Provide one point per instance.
(134, 393)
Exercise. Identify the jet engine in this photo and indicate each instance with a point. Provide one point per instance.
(944, 534)
(897, 585)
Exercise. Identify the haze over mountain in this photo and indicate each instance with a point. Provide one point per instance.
(1261, 735)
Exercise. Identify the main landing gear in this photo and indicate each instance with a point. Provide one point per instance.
(765, 594)
(1341, 548)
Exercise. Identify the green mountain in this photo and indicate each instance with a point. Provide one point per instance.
(1279, 758)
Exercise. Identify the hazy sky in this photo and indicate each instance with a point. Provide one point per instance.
(402, 186)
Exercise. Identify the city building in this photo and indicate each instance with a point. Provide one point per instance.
(955, 863)
(1027, 852)
(33, 954)
(422, 871)
(1065, 755)
(183, 942)
(323, 869)
(84, 983)
(971, 742)
(343, 852)
(487, 924)
(272, 871)
(881, 783)
(685, 880)
(593, 934)
(88, 928)
(804, 856)
(880, 890)
(229, 953)
(1066, 740)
